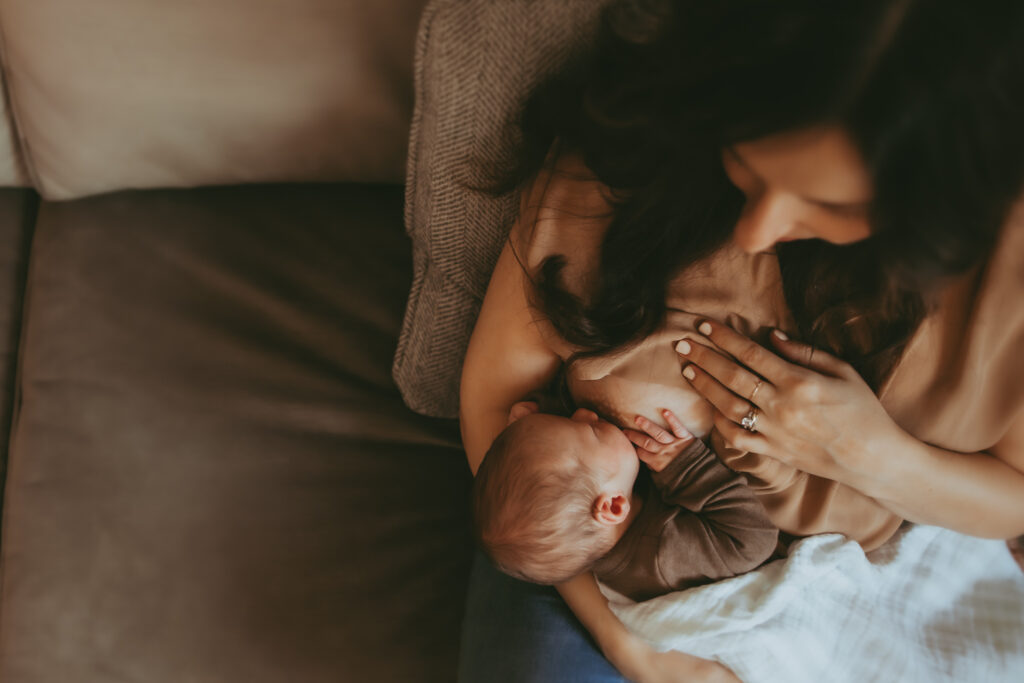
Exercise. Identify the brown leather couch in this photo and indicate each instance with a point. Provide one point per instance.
(209, 473)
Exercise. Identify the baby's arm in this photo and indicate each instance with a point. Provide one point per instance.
(720, 529)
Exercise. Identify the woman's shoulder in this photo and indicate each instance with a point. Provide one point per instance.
(564, 210)
(961, 382)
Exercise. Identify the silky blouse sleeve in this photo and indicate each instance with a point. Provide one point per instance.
(960, 383)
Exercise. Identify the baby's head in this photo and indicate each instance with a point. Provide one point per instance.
(553, 494)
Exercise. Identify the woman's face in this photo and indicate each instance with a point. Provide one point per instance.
(800, 185)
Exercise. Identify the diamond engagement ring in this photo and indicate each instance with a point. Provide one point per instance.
(749, 421)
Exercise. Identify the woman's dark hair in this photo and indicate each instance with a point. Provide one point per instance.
(931, 92)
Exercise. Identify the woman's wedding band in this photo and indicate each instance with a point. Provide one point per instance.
(749, 421)
(757, 388)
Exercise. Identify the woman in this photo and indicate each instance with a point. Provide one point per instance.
(873, 151)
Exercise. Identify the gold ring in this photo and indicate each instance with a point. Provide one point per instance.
(757, 388)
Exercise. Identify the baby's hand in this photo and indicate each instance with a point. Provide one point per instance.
(655, 446)
(522, 409)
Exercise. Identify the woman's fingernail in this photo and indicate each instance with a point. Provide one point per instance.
(683, 347)
(705, 328)
(688, 372)
(779, 334)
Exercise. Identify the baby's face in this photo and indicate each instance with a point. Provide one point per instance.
(599, 441)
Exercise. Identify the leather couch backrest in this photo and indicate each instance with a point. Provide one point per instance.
(113, 94)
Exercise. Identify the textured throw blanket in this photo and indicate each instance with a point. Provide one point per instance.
(931, 605)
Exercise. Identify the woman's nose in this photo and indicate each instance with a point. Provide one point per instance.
(766, 220)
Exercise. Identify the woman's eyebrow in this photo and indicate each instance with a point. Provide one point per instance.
(838, 207)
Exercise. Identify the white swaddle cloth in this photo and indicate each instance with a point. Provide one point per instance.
(930, 605)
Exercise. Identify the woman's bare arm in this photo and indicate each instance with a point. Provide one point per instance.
(507, 358)
(510, 354)
(981, 494)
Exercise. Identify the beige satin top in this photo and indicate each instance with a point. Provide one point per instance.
(959, 384)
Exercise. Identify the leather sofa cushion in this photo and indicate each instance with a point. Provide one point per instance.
(113, 94)
(476, 62)
(212, 476)
(17, 214)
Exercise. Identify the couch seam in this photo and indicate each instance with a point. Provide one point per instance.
(31, 221)
(24, 160)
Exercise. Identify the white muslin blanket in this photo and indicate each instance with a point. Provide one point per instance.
(931, 605)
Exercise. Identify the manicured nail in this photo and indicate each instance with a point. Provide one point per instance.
(688, 372)
(779, 334)
(683, 347)
(705, 328)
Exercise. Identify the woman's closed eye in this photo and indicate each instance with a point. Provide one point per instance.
(857, 211)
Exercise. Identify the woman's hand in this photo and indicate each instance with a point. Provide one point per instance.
(639, 662)
(800, 405)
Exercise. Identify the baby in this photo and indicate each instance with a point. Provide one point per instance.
(557, 496)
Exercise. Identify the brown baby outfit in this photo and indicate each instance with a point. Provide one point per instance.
(698, 522)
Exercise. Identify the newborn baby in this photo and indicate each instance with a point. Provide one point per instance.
(558, 496)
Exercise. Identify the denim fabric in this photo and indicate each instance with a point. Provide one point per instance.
(518, 632)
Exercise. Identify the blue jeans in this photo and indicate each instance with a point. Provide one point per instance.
(517, 632)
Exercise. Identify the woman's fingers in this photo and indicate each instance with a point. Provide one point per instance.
(809, 357)
(725, 402)
(739, 438)
(728, 372)
(749, 353)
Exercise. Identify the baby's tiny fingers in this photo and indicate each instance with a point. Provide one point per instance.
(655, 461)
(678, 429)
(654, 430)
(641, 440)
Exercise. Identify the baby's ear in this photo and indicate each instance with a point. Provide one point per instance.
(522, 409)
(611, 509)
